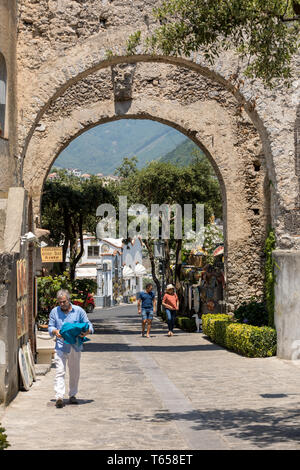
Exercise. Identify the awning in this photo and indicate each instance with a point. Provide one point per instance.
(86, 273)
(218, 251)
(127, 272)
(41, 232)
(140, 270)
(116, 242)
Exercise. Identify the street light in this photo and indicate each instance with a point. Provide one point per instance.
(159, 249)
(159, 253)
(28, 237)
(99, 299)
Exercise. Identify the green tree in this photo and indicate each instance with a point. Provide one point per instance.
(166, 183)
(69, 209)
(127, 167)
(264, 32)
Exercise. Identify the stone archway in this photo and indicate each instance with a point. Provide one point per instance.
(203, 111)
(69, 60)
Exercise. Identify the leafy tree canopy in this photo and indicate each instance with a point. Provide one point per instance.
(166, 183)
(264, 32)
(127, 167)
(69, 207)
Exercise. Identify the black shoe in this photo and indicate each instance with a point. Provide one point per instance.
(59, 403)
(73, 401)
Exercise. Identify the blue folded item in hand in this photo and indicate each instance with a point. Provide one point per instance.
(71, 331)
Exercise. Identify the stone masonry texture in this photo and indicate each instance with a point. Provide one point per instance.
(74, 72)
(69, 69)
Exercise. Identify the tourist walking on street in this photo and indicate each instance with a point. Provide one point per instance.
(171, 303)
(72, 322)
(146, 308)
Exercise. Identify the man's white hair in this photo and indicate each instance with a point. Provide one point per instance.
(62, 293)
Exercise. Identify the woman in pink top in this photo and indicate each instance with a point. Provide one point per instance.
(171, 303)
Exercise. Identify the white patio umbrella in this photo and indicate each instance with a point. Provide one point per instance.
(139, 270)
(127, 272)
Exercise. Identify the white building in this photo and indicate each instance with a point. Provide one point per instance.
(74, 171)
(121, 267)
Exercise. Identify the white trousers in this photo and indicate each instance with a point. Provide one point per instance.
(61, 359)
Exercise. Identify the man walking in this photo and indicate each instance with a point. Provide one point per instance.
(66, 313)
(146, 308)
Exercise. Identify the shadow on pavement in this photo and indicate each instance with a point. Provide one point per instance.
(81, 401)
(104, 327)
(261, 427)
(104, 347)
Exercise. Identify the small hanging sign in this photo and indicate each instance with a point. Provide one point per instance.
(52, 254)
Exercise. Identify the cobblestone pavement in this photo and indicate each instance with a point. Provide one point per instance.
(178, 393)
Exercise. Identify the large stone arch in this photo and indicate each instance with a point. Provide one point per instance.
(54, 49)
(57, 51)
(61, 43)
(54, 79)
(272, 124)
(208, 115)
(63, 59)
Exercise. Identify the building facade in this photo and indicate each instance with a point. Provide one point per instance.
(116, 266)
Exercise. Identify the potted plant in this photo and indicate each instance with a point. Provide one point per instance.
(47, 288)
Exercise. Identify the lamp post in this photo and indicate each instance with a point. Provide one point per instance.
(159, 254)
(159, 249)
(99, 298)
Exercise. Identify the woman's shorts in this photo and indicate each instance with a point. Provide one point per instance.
(147, 314)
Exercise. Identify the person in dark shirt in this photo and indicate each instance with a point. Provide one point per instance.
(146, 308)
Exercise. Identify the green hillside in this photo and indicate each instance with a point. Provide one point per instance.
(102, 148)
(183, 154)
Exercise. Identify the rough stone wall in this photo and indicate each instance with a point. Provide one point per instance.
(72, 61)
(5, 166)
(9, 384)
(48, 28)
(96, 87)
(8, 138)
(68, 70)
(198, 107)
(60, 41)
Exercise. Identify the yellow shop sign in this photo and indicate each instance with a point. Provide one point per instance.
(52, 254)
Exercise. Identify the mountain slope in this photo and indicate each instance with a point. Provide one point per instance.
(102, 148)
(183, 154)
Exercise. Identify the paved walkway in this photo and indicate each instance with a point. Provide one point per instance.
(179, 393)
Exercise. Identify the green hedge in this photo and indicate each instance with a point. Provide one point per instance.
(247, 340)
(3, 439)
(209, 322)
(185, 323)
(182, 322)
